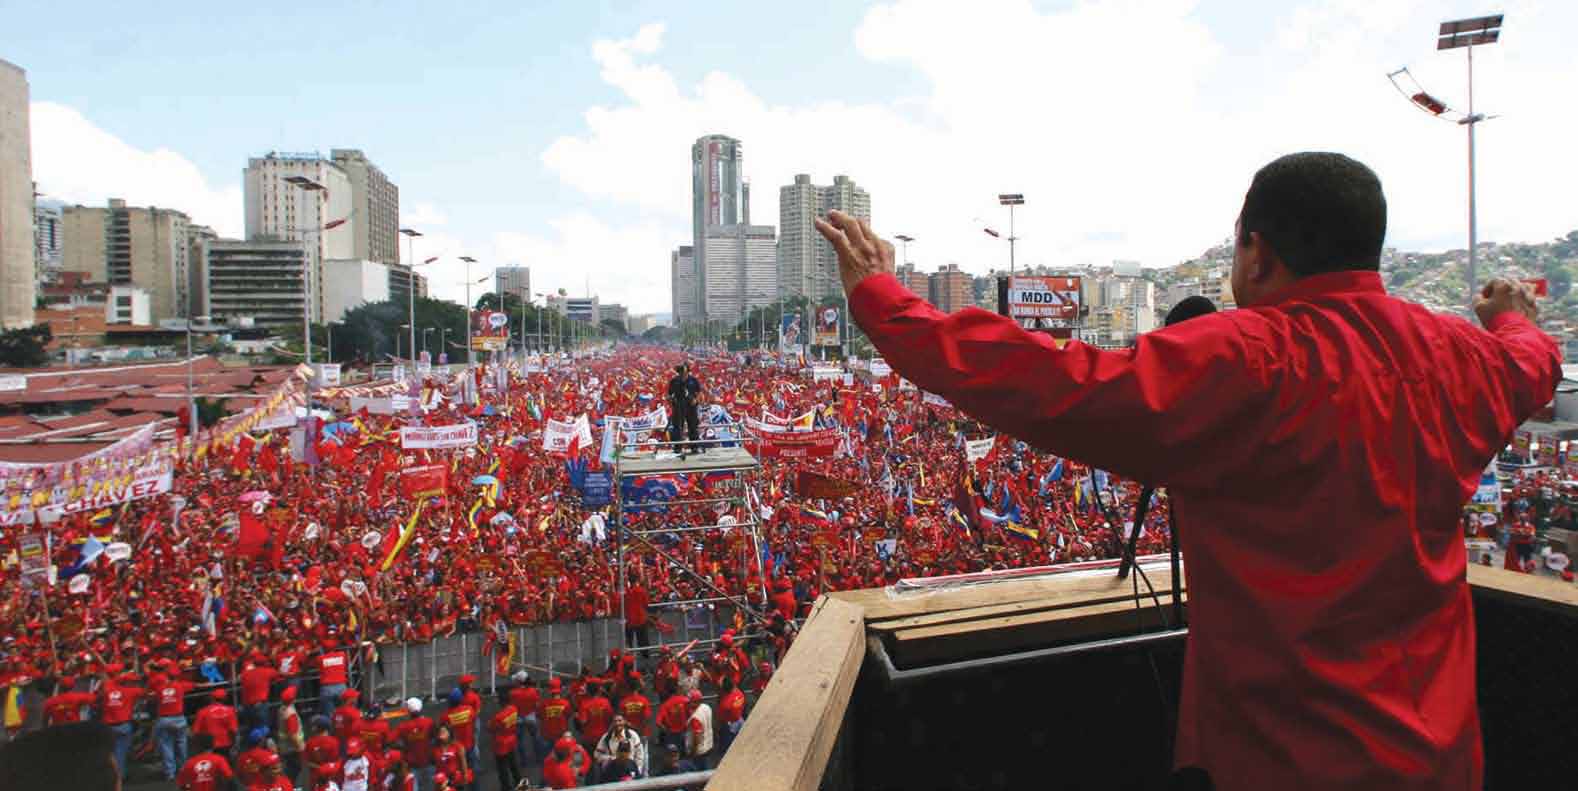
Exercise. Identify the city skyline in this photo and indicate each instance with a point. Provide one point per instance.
(1142, 153)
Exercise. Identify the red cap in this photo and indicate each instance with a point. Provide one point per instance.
(219, 694)
(467, 679)
(330, 769)
(350, 694)
(393, 756)
(289, 695)
(555, 684)
(353, 747)
(695, 695)
(440, 777)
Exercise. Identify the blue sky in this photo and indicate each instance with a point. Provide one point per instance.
(555, 134)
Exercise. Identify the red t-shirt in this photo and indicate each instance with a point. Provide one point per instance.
(249, 765)
(116, 703)
(204, 772)
(502, 726)
(460, 719)
(170, 698)
(524, 699)
(347, 721)
(219, 721)
(66, 707)
(280, 783)
(447, 759)
(673, 714)
(323, 749)
(595, 716)
(732, 707)
(637, 710)
(374, 734)
(291, 663)
(417, 735)
(332, 668)
(255, 684)
(636, 606)
(554, 717)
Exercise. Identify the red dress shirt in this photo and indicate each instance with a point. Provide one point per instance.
(1319, 449)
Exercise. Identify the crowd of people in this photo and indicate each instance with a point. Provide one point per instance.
(263, 576)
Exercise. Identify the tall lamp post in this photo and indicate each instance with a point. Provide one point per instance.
(191, 399)
(1464, 34)
(1011, 200)
(541, 345)
(410, 287)
(904, 247)
(425, 331)
(470, 356)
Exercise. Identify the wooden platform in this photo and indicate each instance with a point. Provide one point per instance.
(790, 736)
(711, 460)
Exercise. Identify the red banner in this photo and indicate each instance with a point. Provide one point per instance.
(800, 445)
(428, 480)
(817, 485)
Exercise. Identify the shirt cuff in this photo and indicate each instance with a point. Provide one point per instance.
(1505, 318)
(872, 295)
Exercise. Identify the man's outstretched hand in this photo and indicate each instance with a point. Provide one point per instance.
(1499, 296)
(860, 253)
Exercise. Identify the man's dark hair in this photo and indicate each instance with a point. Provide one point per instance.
(78, 755)
(1318, 211)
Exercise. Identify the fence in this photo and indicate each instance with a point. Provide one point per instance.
(429, 670)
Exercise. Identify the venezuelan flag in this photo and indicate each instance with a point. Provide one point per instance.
(1016, 529)
(405, 537)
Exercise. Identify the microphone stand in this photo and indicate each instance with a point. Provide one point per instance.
(1131, 550)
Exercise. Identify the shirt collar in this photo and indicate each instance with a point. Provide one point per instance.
(1347, 281)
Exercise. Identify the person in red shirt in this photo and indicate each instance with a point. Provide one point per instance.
(637, 631)
(449, 756)
(333, 676)
(783, 599)
(731, 715)
(635, 707)
(567, 765)
(66, 705)
(273, 778)
(504, 728)
(416, 736)
(170, 729)
(398, 775)
(374, 731)
(321, 748)
(347, 718)
(205, 771)
(524, 696)
(672, 718)
(327, 777)
(252, 761)
(460, 718)
(1320, 404)
(553, 714)
(117, 700)
(593, 716)
(257, 681)
(218, 722)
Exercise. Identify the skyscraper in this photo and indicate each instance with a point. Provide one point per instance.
(377, 202)
(514, 280)
(685, 286)
(277, 209)
(718, 197)
(17, 278)
(143, 246)
(807, 265)
(742, 270)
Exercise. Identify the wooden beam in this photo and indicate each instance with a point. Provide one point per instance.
(878, 604)
(1036, 629)
(1059, 600)
(789, 736)
(1545, 592)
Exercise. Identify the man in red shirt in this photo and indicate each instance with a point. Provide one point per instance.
(731, 715)
(218, 722)
(553, 714)
(1318, 445)
(524, 696)
(169, 698)
(416, 736)
(593, 716)
(347, 718)
(66, 705)
(256, 683)
(274, 778)
(672, 718)
(637, 632)
(635, 707)
(205, 771)
(567, 765)
(503, 727)
(333, 675)
(117, 700)
(321, 748)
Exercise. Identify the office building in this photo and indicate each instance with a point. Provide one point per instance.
(400, 277)
(718, 197)
(321, 211)
(18, 275)
(514, 280)
(376, 204)
(741, 270)
(614, 311)
(685, 286)
(47, 236)
(951, 289)
(143, 246)
(128, 305)
(264, 280)
(349, 284)
(806, 262)
(912, 278)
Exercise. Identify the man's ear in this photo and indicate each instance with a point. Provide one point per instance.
(1261, 264)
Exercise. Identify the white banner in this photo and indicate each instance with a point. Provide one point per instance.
(880, 367)
(934, 400)
(9, 383)
(557, 434)
(977, 449)
(328, 374)
(438, 437)
(145, 483)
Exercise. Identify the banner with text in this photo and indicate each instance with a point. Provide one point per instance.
(143, 483)
(438, 437)
(800, 445)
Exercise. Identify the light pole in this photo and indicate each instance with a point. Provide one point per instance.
(1464, 34)
(397, 348)
(425, 331)
(470, 357)
(191, 399)
(1011, 200)
(904, 248)
(540, 343)
(410, 288)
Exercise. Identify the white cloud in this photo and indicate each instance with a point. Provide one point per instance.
(422, 214)
(78, 162)
(1130, 126)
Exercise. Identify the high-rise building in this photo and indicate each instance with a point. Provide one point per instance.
(513, 280)
(914, 280)
(143, 246)
(321, 210)
(613, 311)
(264, 280)
(685, 286)
(400, 277)
(349, 284)
(718, 197)
(376, 202)
(47, 232)
(742, 270)
(807, 264)
(951, 289)
(18, 278)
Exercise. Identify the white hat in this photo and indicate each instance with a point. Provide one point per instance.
(414, 705)
(520, 677)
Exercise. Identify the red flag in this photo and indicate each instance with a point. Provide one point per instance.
(427, 480)
(253, 536)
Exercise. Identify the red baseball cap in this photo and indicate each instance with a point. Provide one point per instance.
(289, 695)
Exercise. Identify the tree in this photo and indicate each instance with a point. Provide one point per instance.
(614, 328)
(210, 411)
(25, 347)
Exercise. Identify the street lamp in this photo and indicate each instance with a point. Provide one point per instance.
(469, 261)
(413, 350)
(904, 244)
(1464, 34)
(191, 399)
(410, 288)
(1011, 200)
(425, 331)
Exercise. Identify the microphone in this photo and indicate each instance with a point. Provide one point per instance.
(1186, 309)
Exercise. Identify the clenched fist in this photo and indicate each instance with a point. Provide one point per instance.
(860, 253)
(1501, 295)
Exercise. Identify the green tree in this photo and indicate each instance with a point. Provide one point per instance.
(25, 347)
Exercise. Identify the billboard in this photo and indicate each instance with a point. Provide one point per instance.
(826, 333)
(789, 332)
(1052, 301)
(490, 331)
